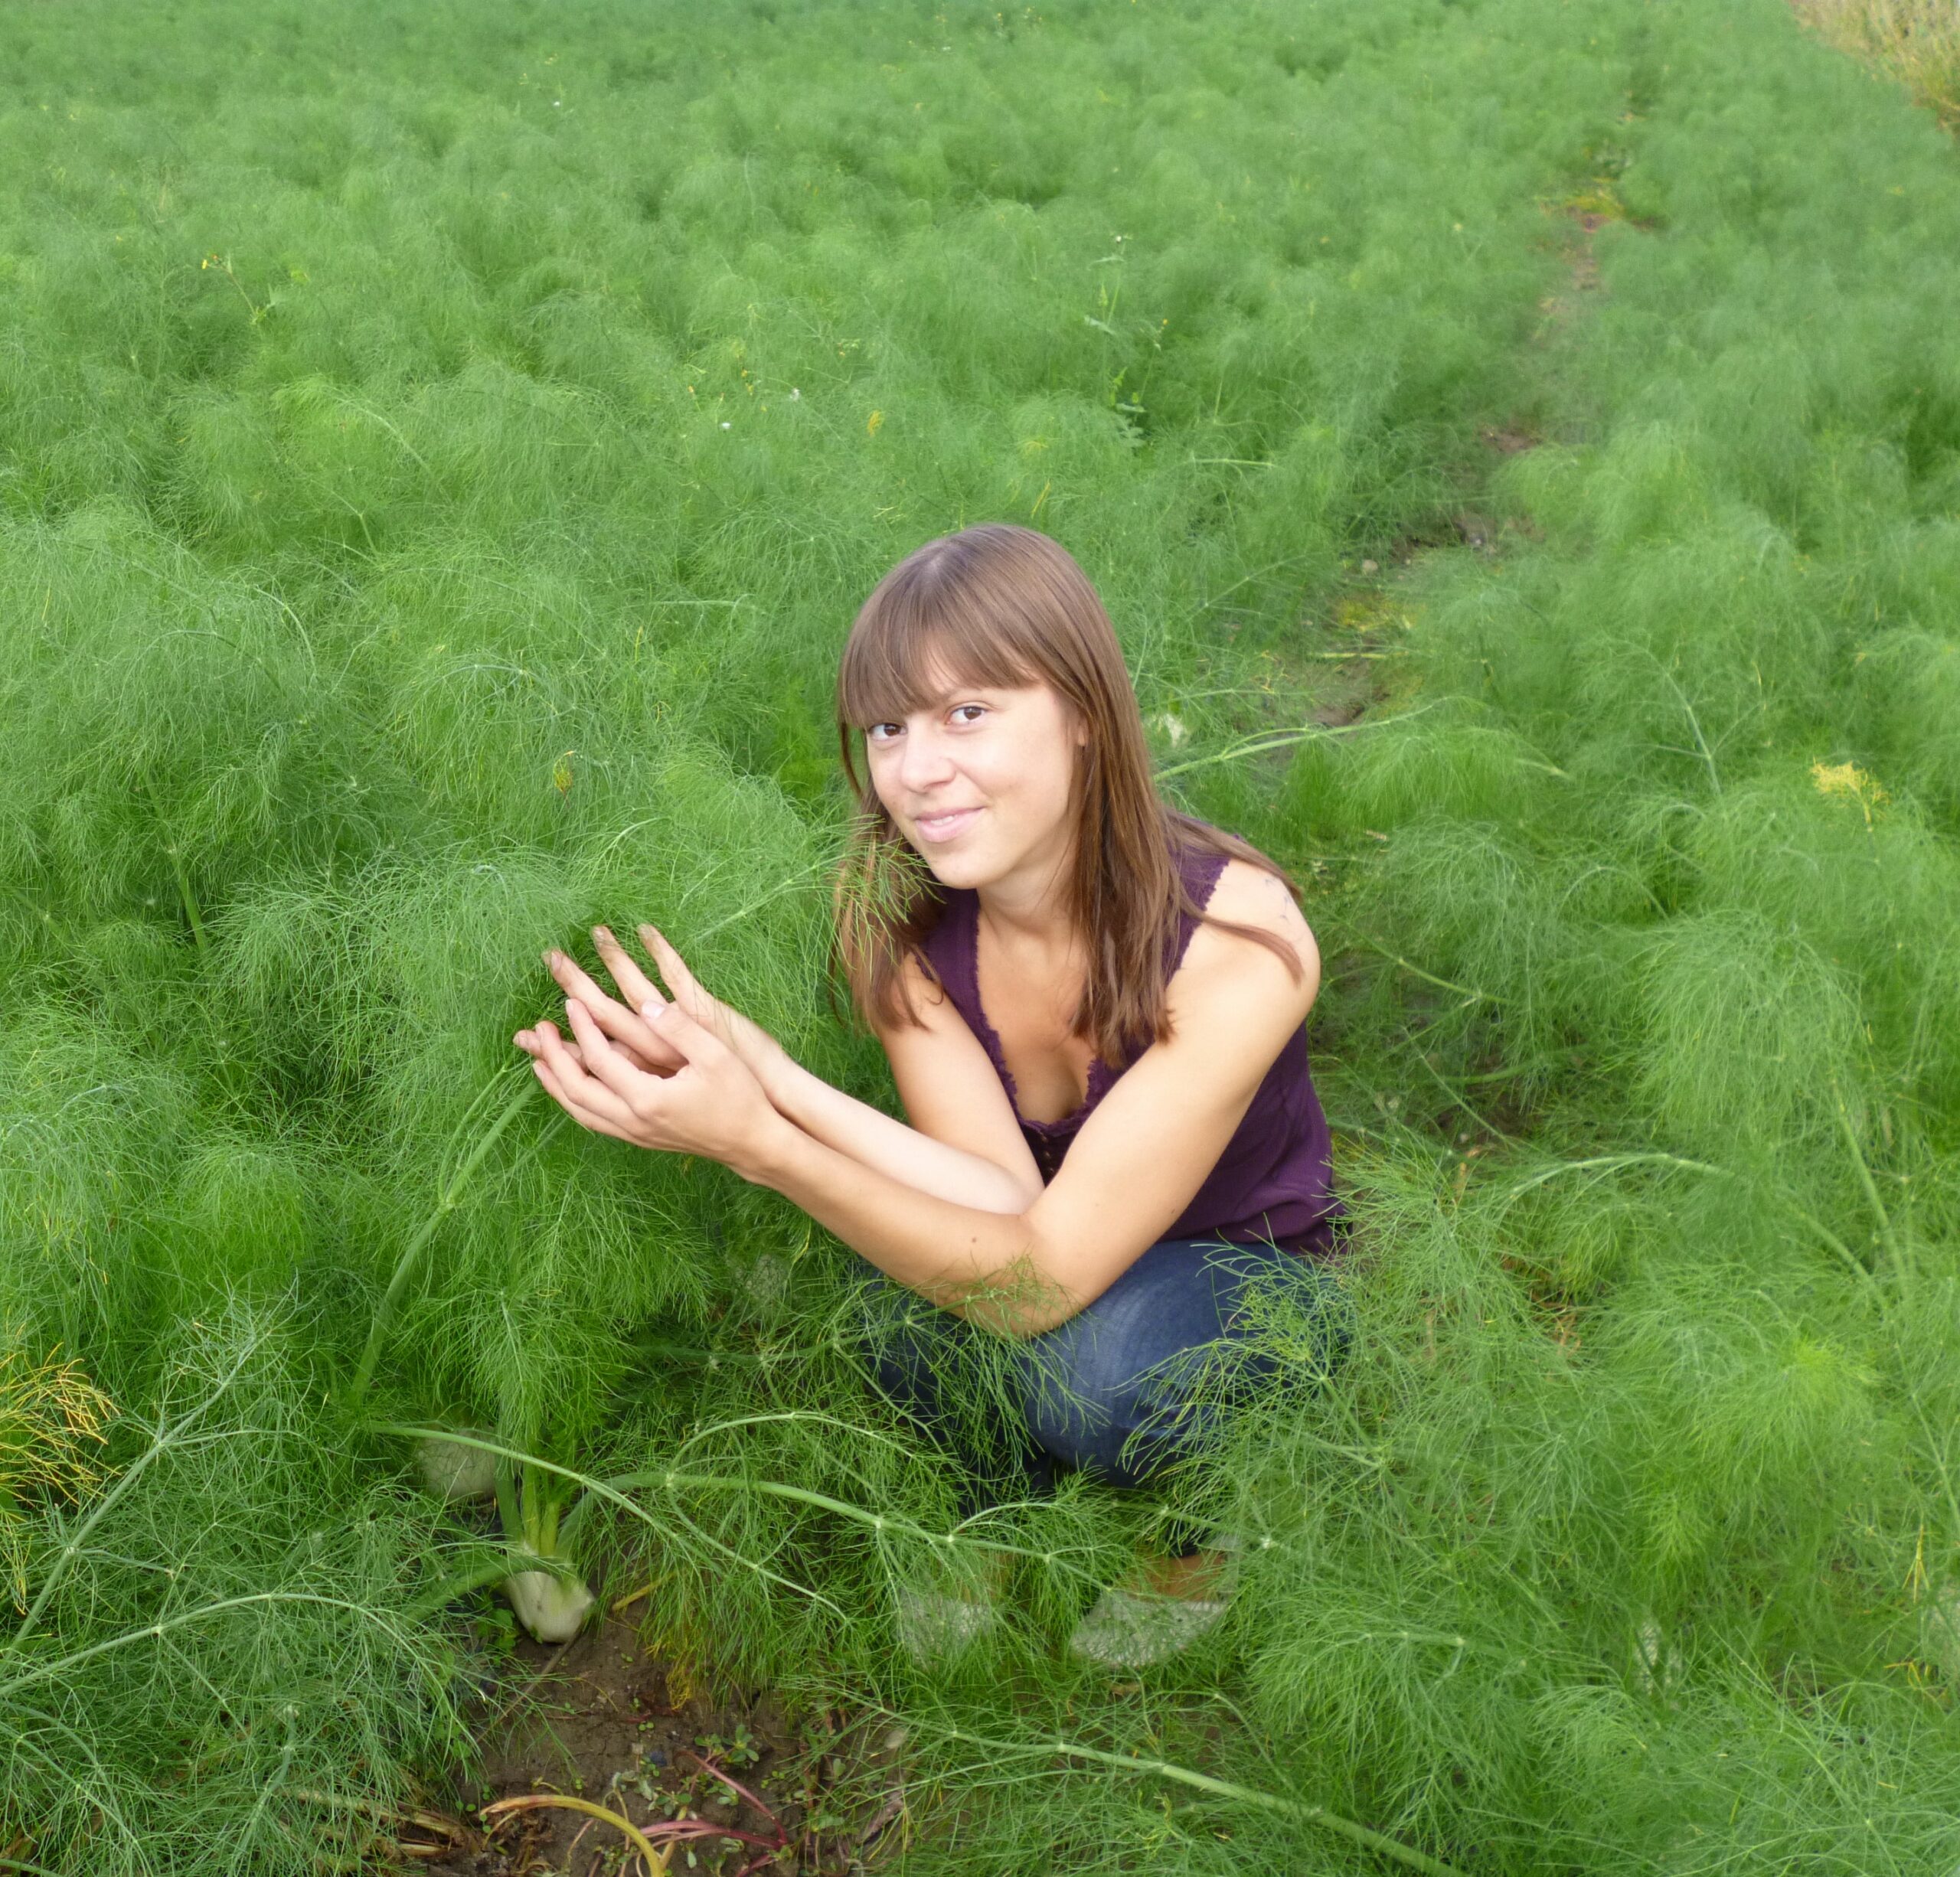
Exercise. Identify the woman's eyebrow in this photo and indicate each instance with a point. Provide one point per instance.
(937, 701)
(963, 690)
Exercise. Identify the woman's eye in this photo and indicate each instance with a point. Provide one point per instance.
(958, 708)
(876, 731)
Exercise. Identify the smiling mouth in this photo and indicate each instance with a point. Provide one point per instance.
(944, 827)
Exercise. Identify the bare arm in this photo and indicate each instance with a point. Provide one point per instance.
(1132, 1169)
(988, 1168)
(875, 1143)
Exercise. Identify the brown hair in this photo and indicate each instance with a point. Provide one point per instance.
(1000, 605)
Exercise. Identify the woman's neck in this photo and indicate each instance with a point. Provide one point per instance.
(1032, 959)
(1030, 907)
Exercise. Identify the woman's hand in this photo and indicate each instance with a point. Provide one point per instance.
(754, 1045)
(627, 1023)
(633, 1026)
(630, 1032)
(711, 1104)
(529, 1041)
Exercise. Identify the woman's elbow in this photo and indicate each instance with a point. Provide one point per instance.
(1024, 1318)
(1014, 1194)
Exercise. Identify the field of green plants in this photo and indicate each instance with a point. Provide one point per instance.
(441, 448)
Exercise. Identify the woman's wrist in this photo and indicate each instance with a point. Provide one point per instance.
(771, 1152)
(775, 1068)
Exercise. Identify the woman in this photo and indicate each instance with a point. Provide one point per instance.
(1094, 1010)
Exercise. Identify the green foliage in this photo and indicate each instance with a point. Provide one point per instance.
(226, 1637)
(441, 451)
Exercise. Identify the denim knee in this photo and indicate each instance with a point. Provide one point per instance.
(1136, 1381)
(1098, 1386)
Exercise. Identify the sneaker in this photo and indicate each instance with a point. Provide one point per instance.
(934, 1624)
(1127, 1629)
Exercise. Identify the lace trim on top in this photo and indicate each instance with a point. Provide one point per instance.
(1100, 1078)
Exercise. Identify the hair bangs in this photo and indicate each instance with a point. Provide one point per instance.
(904, 652)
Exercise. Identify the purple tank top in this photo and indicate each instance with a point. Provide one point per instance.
(1274, 1181)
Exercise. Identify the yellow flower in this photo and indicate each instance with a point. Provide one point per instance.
(874, 423)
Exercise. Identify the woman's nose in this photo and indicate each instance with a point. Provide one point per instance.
(923, 761)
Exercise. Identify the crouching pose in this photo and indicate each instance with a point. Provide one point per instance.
(1094, 1009)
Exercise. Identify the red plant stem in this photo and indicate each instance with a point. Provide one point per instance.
(706, 1828)
(735, 1785)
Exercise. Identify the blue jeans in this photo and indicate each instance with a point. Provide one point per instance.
(1123, 1389)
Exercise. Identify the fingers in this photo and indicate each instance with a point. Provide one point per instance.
(575, 981)
(584, 1117)
(687, 1035)
(582, 1092)
(619, 1022)
(672, 966)
(604, 1064)
(604, 1073)
(689, 991)
(636, 986)
(527, 1041)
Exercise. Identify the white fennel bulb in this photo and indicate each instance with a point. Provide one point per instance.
(552, 1608)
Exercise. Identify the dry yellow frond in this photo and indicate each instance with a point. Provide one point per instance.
(1917, 41)
(1847, 779)
(50, 1417)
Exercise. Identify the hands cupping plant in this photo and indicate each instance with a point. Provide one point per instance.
(680, 1073)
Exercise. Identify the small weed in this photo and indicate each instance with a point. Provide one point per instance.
(736, 1750)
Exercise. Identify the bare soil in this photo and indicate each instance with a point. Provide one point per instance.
(721, 1783)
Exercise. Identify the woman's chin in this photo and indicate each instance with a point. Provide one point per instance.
(948, 870)
(953, 866)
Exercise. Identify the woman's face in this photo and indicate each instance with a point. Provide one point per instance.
(978, 780)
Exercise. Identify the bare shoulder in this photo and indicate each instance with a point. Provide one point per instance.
(915, 977)
(925, 998)
(1246, 895)
(1249, 895)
